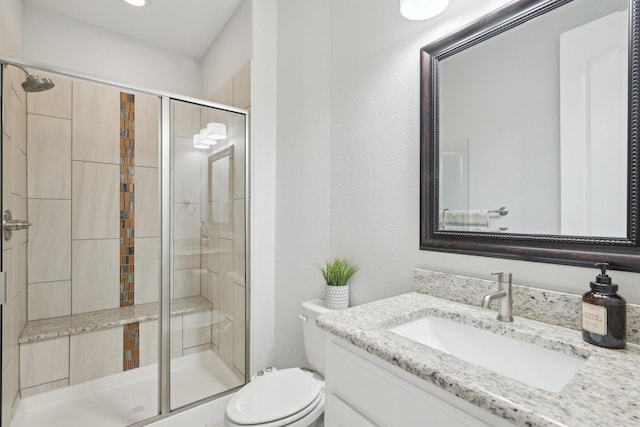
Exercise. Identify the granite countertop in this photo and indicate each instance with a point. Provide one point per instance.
(604, 392)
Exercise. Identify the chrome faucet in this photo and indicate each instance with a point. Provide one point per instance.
(505, 309)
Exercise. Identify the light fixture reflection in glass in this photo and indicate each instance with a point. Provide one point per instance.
(138, 3)
(197, 142)
(417, 10)
(217, 131)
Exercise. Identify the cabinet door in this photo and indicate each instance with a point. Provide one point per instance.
(371, 387)
(340, 414)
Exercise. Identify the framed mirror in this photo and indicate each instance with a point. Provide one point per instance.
(529, 135)
(220, 189)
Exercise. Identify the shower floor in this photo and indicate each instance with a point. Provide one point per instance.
(127, 397)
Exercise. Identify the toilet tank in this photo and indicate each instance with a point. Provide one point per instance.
(313, 335)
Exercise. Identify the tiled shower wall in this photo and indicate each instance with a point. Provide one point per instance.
(74, 253)
(14, 252)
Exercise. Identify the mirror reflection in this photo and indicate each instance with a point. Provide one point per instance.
(533, 127)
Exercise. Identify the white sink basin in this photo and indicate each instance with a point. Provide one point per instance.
(531, 364)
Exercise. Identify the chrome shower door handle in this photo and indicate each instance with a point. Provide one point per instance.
(9, 225)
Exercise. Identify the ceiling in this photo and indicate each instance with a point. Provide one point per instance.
(184, 26)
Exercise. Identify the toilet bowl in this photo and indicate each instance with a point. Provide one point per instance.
(292, 397)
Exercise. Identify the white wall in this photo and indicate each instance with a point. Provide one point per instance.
(375, 156)
(11, 12)
(303, 166)
(65, 44)
(228, 53)
(263, 181)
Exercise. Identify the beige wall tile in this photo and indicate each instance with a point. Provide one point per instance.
(147, 202)
(225, 344)
(19, 169)
(196, 329)
(95, 354)
(49, 161)
(96, 201)
(96, 275)
(225, 93)
(242, 87)
(186, 119)
(27, 392)
(210, 289)
(239, 242)
(13, 114)
(225, 277)
(147, 122)
(187, 179)
(176, 336)
(237, 135)
(96, 122)
(186, 283)
(7, 179)
(49, 249)
(197, 349)
(148, 343)
(49, 299)
(10, 389)
(44, 361)
(54, 102)
(18, 282)
(216, 319)
(208, 115)
(147, 270)
(213, 253)
(238, 327)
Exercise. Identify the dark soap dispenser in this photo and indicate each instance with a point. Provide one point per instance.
(604, 313)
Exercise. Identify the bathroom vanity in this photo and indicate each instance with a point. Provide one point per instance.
(375, 376)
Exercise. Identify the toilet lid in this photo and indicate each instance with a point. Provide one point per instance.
(275, 396)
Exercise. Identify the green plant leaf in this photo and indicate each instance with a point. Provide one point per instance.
(338, 271)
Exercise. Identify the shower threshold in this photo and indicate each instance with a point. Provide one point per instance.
(127, 397)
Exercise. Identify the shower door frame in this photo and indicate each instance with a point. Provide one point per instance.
(164, 160)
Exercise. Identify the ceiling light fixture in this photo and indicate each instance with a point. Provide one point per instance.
(138, 3)
(417, 10)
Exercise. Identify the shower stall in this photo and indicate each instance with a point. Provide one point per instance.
(124, 251)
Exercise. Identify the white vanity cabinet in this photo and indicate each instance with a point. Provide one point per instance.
(362, 390)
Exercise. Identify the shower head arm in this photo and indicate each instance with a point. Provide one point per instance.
(6, 64)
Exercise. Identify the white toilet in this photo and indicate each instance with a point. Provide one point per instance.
(292, 397)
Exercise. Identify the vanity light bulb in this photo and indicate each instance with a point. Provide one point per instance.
(417, 10)
(217, 131)
(197, 143)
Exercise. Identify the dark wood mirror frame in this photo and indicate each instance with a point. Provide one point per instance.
(621, 253)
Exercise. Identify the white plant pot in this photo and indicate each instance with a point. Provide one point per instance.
(336, 297)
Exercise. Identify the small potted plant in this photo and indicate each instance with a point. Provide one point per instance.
(337, 273)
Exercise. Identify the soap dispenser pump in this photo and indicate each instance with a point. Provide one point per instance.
(604, 313)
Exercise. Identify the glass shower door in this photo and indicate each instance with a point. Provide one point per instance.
(207, 251)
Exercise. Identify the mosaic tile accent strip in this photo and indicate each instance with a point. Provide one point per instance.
(131, 335)
(127, 217)
(131, 345)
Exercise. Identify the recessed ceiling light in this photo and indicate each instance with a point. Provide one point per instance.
(136, 2)
(417, 10)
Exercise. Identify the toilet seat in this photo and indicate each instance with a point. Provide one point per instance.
(277, 399)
